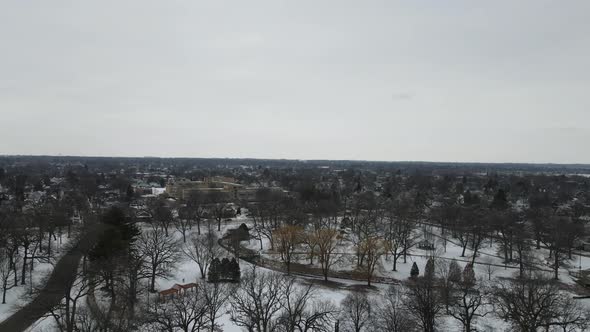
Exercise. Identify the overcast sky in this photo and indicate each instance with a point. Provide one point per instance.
(498, 81)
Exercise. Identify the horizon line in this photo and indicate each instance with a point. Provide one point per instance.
(304, 160)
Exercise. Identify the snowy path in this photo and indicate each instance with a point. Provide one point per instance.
(52, 292)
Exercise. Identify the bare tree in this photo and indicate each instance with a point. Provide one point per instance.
(327, 241)
(392, 316)
(195, 205)
(469, 305)
(160, 253)
(372, 248)
(301, 312)
(449, 277)
(461, 233)
(185, 312)
(399, 230)
(366, 214)
(28, 240)
(572, 316)
(257, 303)
(447, 215)
(320, 317)
(161, 213)
(132, 273)
(357, 312)
(404, 214)
(12, 250)
(490, 268)
(160, 317)
(557, 238)
(310, 242)
(216, 202)
(183, 223)
(504, 225)
(216, 296)
(201, 250)
(535, 302)
(400, 238)
(6, 272)
(287, 239)
(479, 231)
(522, 245)
(65, 312)
(267, 213)
(424, 303)
(85, 322)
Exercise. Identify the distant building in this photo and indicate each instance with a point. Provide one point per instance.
(182, 189)
(158, 191)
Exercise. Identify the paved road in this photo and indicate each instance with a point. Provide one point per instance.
(53, 292)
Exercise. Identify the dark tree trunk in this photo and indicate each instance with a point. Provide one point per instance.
(153, 282)
(23, 278)
(49, 246)
(556, 254)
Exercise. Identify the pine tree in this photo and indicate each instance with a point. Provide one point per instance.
(213, 273)
(235, 270)
(130, 192)
(500, 201)
(242, 233)
(414, 272)
(469, 275)
(225, 269)
(454, 272)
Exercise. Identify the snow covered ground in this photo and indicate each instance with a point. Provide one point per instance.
(17, 296)
(187, 271)
(45, 324)
(488, 261)
(488, 265)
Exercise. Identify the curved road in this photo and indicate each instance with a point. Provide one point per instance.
(53, 291)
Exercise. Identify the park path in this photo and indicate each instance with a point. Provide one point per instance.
(301, 270)
(53, 291)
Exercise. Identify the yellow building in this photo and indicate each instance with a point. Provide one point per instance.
(182, 188)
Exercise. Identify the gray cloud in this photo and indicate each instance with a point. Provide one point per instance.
(387, 80)
(402, 96)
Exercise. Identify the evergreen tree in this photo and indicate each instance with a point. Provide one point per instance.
(225, 269)
(469, 275)
(130, 193)
(242, 233)
(414, 272)
(454, 271)
(470, 199)
(119, 236)
(213, 273)
(500, 201)
(235, 270)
